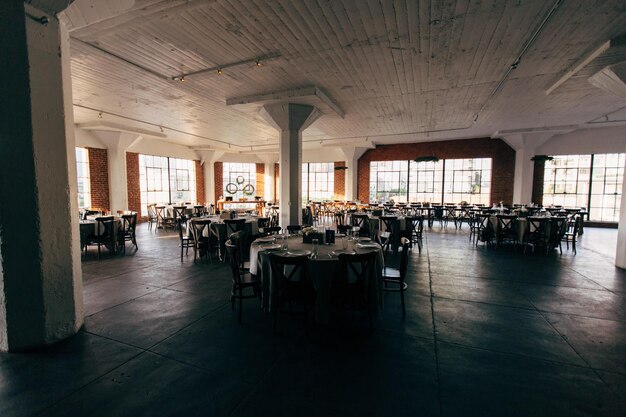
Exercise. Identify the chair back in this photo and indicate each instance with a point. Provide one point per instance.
(129, 223)
(233, 255)
(179, 211)
(199, 210)
(364, 261)
(388, 222)
(234, 225)
(558, 227)
(414, 226)
(183, 228)
(211, 210)
(362, 222)
(296, 274)
(293, 229)
(273, 230)
(506, 223)
(152, 212)
(104, 227)
(404, 257)
(197, 228)
(340, 218)
(160, 213)
(537, 225)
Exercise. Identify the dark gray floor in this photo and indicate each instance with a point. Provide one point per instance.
(488, 333)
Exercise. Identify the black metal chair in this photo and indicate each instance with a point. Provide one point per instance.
(396, 277)
(414, 227)
(292, 286)
(507, 229)
(199, 211)
(104, 234)
(362, 222)
(361, 266)
(202, 243)
(152, 217)
(536, 234)
(127, 231)
(294, 229)
(558, 228)
(186, 238)
(241, 280)
(485, 232)
(571, 232)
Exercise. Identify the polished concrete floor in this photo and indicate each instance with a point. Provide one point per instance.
(487, 333)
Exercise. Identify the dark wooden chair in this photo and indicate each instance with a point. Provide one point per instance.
(201, 243)
(242, 281)
(127, 231)
(507, 229)
(104, 234)
(179, 212)
(485, 232)
(571, 232)
(414, 227)
(362, 222)
(161, 222)
(294, 229)
(152, 217)
(186, 238)
(536, 234)
(361, 267)
(394, 279)
(294, 286)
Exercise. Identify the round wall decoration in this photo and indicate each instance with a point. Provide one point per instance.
(240, 180)
(248, 189)
(231, 188)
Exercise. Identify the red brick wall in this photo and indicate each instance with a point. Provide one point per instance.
(260, 180)
(99, 178)
(538, 174)
(132, 181)
(200, 195)
(340, 181)
(503, 161)
(276, 177)
(218, 182)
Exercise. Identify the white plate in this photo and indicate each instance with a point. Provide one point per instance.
(298, 252)
(367, 245)
(364, 239)
(340, 251)
(265, 239)
(270, 246)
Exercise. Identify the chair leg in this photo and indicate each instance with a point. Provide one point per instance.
(240, 302)
(402, 298)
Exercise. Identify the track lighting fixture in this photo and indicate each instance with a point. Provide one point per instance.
(100, 115)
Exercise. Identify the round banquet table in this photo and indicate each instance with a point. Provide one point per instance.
(322, 270)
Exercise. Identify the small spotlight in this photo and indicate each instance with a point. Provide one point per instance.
(161, 127)
(100, 115)
(219, 71)
(258, 63)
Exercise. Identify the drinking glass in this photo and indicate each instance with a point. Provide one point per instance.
(315, 245)
(344, 243)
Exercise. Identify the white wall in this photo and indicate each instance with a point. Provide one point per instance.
(587, 141)
(86, 139)
(162, 148)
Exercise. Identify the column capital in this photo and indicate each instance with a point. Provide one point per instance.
(290, 116)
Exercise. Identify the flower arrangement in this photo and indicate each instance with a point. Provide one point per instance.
(309, 230)
(309, 233)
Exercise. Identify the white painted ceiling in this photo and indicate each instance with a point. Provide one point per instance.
(400, 70)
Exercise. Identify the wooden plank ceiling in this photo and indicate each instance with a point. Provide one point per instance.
(395, 67)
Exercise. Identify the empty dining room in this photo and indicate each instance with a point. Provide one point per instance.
(313, 208)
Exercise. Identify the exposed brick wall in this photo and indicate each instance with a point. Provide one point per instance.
(99, 178)
(276, 178)
(340, 181)
(260, 180)
(503, 161)
(218, 182)
(538, 174)
(200, 195)
(132, 181)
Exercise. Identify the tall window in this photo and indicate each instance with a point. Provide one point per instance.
(467, 180)
(237, 177)
(166, 180)
(426, 180)
(82, 175)
(593, 181)
(450, 181)
(389, 180)
(318, 181)
(606, 187)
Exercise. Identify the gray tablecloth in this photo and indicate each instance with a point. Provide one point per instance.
(88, 229)
(321, 270)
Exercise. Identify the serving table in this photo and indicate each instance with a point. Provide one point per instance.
(257, 204)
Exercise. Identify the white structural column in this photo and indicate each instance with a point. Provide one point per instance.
(207, 160)
(40, 281)
(352, 155)
(269, 160)
(620, 255)
(290, 120)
